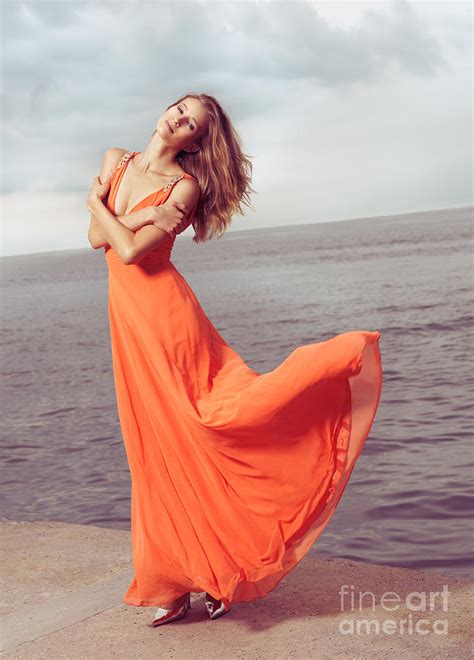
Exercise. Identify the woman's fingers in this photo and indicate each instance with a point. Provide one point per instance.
(181, 206)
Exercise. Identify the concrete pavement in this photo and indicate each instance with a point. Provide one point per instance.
(62, 589)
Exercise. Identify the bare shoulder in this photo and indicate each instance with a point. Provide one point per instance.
(187, 190)
(113, 155)
(110, 161)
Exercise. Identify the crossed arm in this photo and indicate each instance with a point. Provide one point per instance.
(133, 221)
(132, 236)
(97, 237)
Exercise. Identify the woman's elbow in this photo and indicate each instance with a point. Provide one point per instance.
(96, 244)
(129, 258)
(131, 253)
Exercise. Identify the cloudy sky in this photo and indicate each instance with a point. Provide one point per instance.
(349, 109)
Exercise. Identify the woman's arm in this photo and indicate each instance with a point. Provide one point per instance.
(132, 221)
(170, 215)
(132, 247)
(119, 237)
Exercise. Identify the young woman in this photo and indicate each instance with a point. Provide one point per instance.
(235, 473)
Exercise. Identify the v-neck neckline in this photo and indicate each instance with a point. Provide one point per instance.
(127, 212)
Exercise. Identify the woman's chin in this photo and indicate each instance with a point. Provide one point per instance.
(164, 133)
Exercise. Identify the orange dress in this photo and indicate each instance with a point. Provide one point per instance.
(235, 473)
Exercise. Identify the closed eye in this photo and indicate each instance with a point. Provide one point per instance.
(189, 124)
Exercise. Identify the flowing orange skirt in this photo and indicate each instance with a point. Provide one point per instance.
(235, 473)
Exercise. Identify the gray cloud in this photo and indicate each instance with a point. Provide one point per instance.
(322, 94)
(80, 75)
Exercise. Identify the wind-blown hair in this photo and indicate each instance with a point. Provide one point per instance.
(222, 170)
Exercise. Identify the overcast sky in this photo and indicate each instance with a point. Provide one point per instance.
(349, 109)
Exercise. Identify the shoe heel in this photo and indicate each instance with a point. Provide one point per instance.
(188, 601)
(215, 608)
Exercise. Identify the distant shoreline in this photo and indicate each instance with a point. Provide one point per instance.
(234, 230)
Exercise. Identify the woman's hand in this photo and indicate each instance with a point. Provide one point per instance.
(97, 192)
(167, 216)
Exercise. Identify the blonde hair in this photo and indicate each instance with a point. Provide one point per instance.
(222, 170)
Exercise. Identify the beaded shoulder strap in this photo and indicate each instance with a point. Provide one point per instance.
(171, 183)
(124, 159)
(121, 163)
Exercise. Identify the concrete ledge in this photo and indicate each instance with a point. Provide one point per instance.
(63, 584)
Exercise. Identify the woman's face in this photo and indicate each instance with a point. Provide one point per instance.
(183, 124)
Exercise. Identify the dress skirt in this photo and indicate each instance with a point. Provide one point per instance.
(235, 473)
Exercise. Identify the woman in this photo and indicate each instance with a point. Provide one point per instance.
(235, 474)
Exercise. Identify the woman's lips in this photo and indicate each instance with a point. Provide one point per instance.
(169, 126)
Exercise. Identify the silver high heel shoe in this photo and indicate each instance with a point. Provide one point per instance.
(215, 608)
(163, 615)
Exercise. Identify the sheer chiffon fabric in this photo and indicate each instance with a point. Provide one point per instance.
(235, 474)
